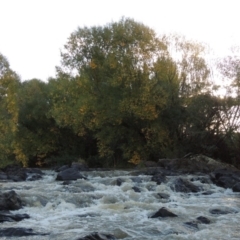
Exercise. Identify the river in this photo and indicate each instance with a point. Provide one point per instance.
(106, 202)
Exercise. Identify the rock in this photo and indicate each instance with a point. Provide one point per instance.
(6, 216)
(98, 236)
(158, 178)
(236, 187)
(18, 174)
(203, 220)
(192, 224)
(193, 164)
(62, 168)
(182, 185)
(119, 182)
(3, 175)
(80, 166)
(17, 232)
(136, 189)
(69, 174)
(163, 195)
(10, 201)
(163, 212)
(225, 210)
(34, 177)
(150, 164)
(225, 178)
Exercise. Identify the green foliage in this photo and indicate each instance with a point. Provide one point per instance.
(121, 96)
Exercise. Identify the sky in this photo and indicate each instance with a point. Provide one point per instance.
(33, 32)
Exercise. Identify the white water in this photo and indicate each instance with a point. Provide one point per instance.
(99, 205)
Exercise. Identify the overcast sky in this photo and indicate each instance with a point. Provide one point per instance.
(32, 32)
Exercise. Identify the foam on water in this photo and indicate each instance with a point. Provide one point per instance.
(98, 204)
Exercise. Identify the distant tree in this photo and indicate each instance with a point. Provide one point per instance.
(9, 82)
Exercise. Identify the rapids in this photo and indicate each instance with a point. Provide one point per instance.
(106, 202)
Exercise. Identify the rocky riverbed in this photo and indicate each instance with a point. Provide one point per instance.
(189, 198)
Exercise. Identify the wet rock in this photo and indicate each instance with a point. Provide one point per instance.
(158, 178)
(136, 179)
(34, 177)
(136, 189)
(182, 185)
(17, 174)
(119, 182)
(193, 164)
(163, 212)
(69, 174)
(3, 176)
(17, 232)
(192, 224)
(6, 216)
(80, 166)
(225, 178)
(219, 211)
(203, 220)
(163, 195)
(98, 236)
(62, 168)
(236, 187)
(10, 201)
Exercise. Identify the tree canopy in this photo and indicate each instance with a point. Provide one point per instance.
(122, 95)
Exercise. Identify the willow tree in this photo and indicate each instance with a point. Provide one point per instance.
(9, 82)
(118, 94)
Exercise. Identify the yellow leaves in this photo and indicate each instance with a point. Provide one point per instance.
(136, 159)
(92, 64)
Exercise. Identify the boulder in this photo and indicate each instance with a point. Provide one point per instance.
(193, 164)
(192, 224)
(163, 212)
(17, 232)
(17, 174)
(203, 220)
(6, 216)
(158, 178)
(183, 185)
(224, 210)
(10, 201)
(80, 166)
(136, 189)
(236, 187)
(98, 236)
(69, 174)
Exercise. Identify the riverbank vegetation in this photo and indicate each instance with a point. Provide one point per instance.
(122, 95)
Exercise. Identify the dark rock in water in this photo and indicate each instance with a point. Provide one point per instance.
(3, 175)
(18, 174)
(203, 220)
(62, 168)
(182, 185)
(163, 195)
(80, 166)
(69, 174)
(10, 201)
(163, 212)
(192, 224)
(6, 216)
(98, 236)
(207, 193)
(136, 189)
(158, 178)
(136, 179)
(222, 211)
(34, 177)
(119, 181)
(225, 178)
(17, 232)
(193, 164)
(236, 187)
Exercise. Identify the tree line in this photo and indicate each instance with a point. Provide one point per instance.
(122, 95)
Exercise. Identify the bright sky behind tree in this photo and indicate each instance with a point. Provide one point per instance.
(32, 32)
